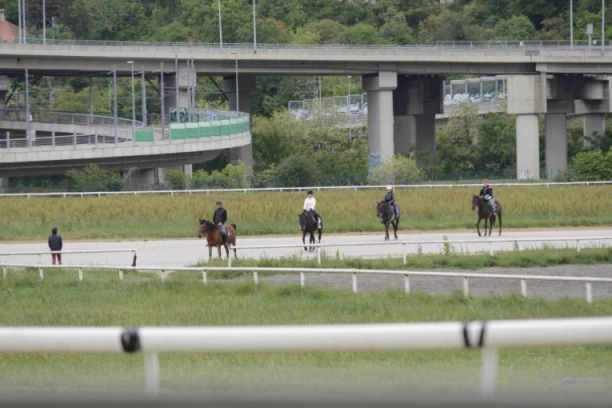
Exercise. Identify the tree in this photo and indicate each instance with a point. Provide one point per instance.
(496, 147)
(362, 34)
(516, 28)
(456, 144)
(396, 30)
(397, 170)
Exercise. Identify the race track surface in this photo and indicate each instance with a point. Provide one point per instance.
(187, 252)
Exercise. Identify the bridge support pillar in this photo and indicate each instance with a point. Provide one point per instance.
(527, 146)
(4, 183)
(526, 100)
(556, 143)
(246, 86)
(141, 179)
(416, 101)
(594, 128)
(594, 101)
(173, 99)
(380, 116)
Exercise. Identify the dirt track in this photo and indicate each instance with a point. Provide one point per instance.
(477, 286)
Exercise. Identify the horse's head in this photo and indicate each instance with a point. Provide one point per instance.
(302, 218)
(380, 206)
(475, 202)
(205, 227)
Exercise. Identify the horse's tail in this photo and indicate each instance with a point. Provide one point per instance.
(234, 225)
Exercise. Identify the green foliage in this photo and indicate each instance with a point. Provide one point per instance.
(93, 178)
(516, 28)
(397, 170)
(592, 166)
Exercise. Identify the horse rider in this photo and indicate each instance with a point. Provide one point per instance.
(390, 198)
(220, 218)
(487, 192)
(309, 206)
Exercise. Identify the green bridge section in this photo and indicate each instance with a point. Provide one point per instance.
(197, 130)
(184, 129)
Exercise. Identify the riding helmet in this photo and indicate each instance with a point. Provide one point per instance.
(219, 202)
(309, 192)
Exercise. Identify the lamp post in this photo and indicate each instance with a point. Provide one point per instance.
(237, 93)
(254, 30)
(220, 28)
(603, 26)
(133, 104)
(571, 24)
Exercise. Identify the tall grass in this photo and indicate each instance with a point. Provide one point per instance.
(141, 299)
(165, 216)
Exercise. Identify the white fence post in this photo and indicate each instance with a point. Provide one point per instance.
(354, 282)
(40, 273)
(204, 277)
(4, 271)
(302, 279)
(151, 366)
(404, 253)
(406, 284)
(589, 293)
(319, 255)
(466, 290)
(256, 278)
(120, 274)
(80, 274)
(229, 260)
(524, 287)
(577, 245)
(488, 372)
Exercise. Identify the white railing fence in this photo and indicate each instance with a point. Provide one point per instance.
(39, 254)
(287, 189)
(489, 336)
(406, 244)
(164, 272)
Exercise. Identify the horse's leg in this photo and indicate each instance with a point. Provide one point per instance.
(304, 240)
(320, 232)
(478, 225)
(386, 230)
(500, 222)
(312, 241)
(395, 227)
(209, 252)
(491, 222)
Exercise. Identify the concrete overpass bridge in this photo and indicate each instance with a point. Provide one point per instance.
(404, 84)
(64, 141)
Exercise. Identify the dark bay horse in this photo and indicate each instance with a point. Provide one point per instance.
(308, 225)
(485, 212)
(214, 237)
(388, 216)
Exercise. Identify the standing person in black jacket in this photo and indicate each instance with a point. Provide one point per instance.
(55, 244)
(220, 218)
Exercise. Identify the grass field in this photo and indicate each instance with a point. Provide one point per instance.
(165, 216)
(142, 300)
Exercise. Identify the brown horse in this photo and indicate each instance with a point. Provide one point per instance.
(214, 238)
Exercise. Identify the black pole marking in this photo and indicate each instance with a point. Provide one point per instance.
(130, 340)
(482, 334)
(466, 337)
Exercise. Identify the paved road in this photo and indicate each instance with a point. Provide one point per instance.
(169, 253)
(185, 252)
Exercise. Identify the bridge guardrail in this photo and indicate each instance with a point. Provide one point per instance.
(581, 45)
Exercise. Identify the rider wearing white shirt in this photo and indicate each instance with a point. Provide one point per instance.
(309, 205)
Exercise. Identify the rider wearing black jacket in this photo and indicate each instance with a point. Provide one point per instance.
(487, 193)
(220, 218)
